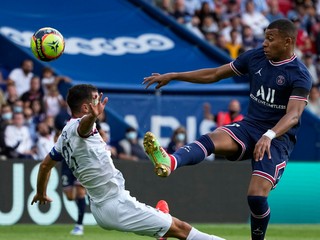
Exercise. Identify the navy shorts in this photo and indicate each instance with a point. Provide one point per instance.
(247, 134)
(67, 177)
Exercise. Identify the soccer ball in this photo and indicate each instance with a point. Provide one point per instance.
(47, 44)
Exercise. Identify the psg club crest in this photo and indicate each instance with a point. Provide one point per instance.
(280, 80)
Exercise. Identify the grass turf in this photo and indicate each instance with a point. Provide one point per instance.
(228, 231)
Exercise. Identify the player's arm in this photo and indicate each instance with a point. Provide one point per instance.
(295, 107)
(86, 125)
(96, 108)
(203, 76)
(43, 178)
(291, 118)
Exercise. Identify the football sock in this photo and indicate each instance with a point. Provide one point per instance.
(194, 152)
(260, 215)
(81, 204)
(197, 235)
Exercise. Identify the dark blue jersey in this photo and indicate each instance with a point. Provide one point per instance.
(272, 84)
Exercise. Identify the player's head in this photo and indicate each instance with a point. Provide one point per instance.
(79, 97)
(280, 39)
(285, 27)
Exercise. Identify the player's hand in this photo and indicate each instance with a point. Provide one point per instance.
(97, 106)
(162, 80)
(262, 147)
(41, 199)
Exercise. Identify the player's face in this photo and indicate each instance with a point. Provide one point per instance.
(275, 45)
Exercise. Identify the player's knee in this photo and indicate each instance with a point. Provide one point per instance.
(258, 204)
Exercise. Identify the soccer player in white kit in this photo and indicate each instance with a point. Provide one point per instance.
(83, 149)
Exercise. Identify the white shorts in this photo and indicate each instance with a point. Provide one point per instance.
(124, 213)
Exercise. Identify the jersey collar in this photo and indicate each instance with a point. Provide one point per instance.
(293, 57)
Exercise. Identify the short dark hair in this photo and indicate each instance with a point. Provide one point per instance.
(285, 27)
(78, 94)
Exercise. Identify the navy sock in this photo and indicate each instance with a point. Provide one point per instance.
(81, 204)
(260, 215)
(195, 152)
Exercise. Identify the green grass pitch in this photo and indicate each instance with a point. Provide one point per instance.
(228, 231)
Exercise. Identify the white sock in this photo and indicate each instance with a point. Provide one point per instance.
(197, 235)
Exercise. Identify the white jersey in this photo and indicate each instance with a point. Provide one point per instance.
(111, 205)
(89, 160)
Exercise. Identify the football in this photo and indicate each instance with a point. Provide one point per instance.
(47, 44)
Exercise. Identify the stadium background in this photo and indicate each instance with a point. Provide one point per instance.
(147, 41)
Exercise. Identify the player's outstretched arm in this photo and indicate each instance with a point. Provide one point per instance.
(96, 108)
(43, 178)
(203, 76)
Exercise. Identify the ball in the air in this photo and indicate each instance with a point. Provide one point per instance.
(47, 44)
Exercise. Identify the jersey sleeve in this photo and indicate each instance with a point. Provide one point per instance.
(55, 152)
(300, 94)
(240, 65)
(93, 130)
(301, 85)
(55, 155)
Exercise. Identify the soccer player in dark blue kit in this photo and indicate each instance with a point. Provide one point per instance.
(279, 88)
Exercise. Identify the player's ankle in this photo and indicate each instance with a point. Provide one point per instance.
(173, 162)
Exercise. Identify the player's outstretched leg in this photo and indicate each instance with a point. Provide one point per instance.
(158, 156)
(180, 226)
(190, 154)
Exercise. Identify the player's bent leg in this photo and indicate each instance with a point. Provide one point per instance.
(224, 142)
(125, 213)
